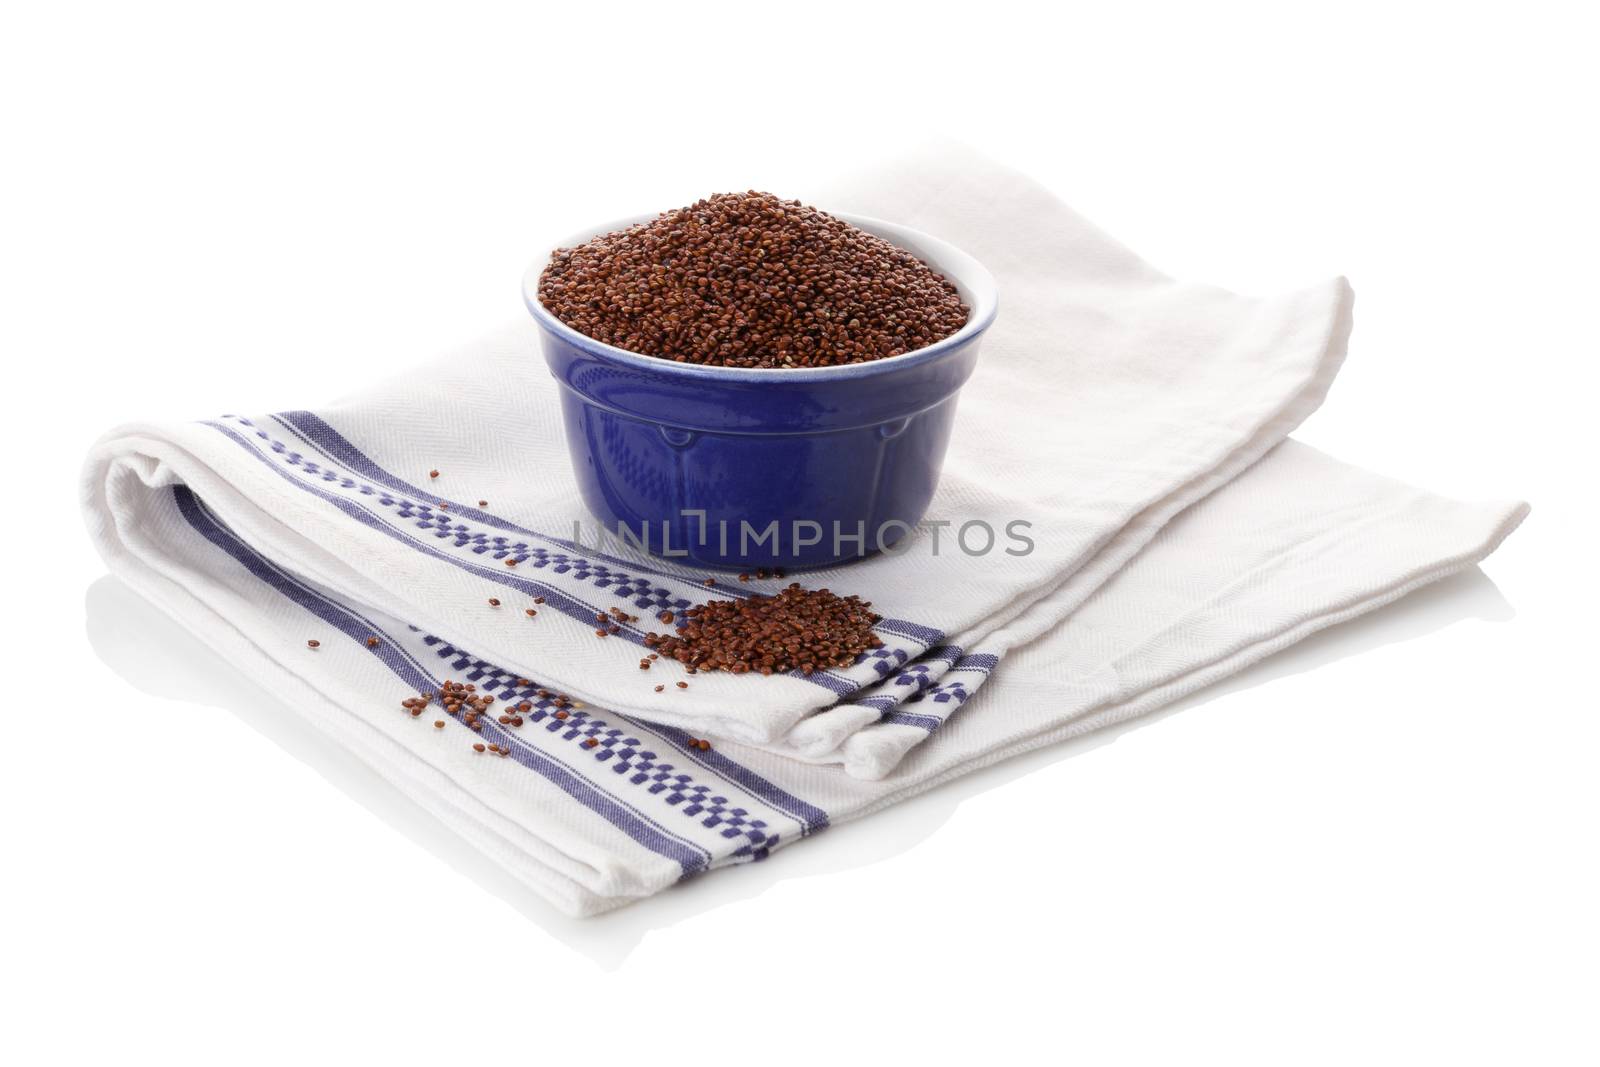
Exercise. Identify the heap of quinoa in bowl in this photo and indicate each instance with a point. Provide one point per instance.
(749, 280)
(752, 366)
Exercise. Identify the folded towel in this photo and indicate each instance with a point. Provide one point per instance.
(1109, 401)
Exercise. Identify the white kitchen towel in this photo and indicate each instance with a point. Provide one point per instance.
(596, 809)
(1107, 398)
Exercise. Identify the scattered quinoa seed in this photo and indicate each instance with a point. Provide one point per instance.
(794, 629)
(494, 602)
(433, 474)
(313, 643)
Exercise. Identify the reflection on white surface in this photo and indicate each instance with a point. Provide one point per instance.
(156, 656)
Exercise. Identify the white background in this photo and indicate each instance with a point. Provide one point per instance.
(1379, 847)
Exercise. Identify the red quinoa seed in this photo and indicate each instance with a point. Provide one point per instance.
(749, 280)
(794, 629)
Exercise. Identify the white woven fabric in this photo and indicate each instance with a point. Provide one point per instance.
(1109, 401)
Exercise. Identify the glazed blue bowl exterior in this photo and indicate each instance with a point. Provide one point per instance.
(697, 463)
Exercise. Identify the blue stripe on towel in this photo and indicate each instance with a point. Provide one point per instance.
(691, 858)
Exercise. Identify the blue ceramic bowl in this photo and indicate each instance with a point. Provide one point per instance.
(742, 468)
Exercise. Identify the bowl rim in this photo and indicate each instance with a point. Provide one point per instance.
(943, 257)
